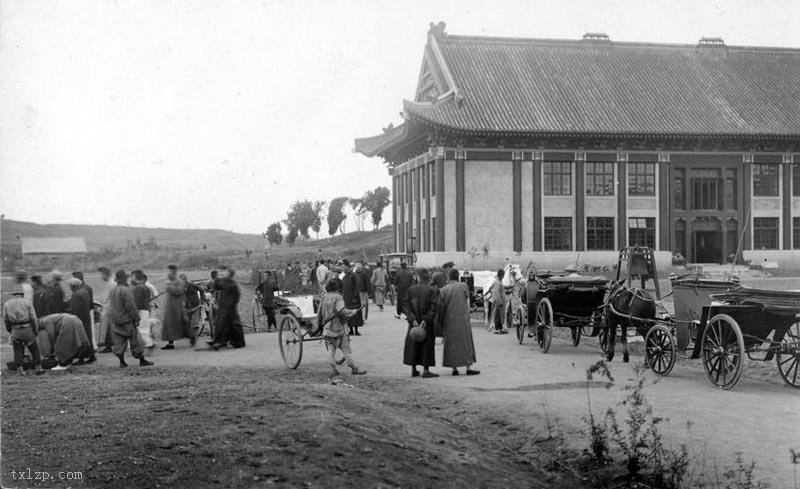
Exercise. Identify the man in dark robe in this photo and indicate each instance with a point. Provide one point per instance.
(80, 306)
(58, 301)
(459, 349)
(266, 289)
(364, 287)
(229, 326)
(352, 299)
(41, 299)
(62, 336)
(422, 303)
(403, 280)
(176, 324)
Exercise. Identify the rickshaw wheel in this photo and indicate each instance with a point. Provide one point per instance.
(659, 349)
(576, 332)
(519, 323)
(544, 324)
(788, 357)
(604, 334)
(290, 340)
(723, 351)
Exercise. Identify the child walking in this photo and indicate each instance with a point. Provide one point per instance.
(332, 315)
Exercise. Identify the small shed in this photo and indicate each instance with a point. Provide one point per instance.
(51, 251)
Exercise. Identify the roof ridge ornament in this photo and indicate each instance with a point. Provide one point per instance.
(711, 42)
(438, 30)
(596, 36)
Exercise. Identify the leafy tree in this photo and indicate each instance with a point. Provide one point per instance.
(316, 226)
(336, 215)
(300, 217)
(291, 236)
(375, 201)
(358, 212)
(273, 234)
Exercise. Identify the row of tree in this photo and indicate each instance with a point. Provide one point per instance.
(305, 216)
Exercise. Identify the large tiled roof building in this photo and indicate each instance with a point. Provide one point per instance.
(545, 149)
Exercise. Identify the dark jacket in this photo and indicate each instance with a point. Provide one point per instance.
(141, 296)
(350, 290)
(403, 281)
(80, 305)
(364, 281)
(421, 303)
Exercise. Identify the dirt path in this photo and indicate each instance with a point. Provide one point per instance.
(544, 394)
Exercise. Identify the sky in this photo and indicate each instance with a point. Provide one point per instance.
(209, 114)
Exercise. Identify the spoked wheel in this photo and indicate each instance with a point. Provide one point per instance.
(576, 332)
(544, 324)
(723, 351)
(788, 357)
(660, 349)
(519, 324)
(260, 321)
(290, 339)
(206, 321)
(604, 336)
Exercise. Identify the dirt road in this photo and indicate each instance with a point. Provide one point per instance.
(760, 417)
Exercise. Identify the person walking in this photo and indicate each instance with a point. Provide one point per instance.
(332, 316)
(459, 348)
(22, 325)
(229, 326)
(422, 302)
(176, 319)
(80, 307)
(124, 319)
(364, 288)
(352, 299)
(499, 301)
(379, 280)
(402, 282)
(141, 299)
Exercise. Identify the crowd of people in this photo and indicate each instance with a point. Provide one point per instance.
(60, 330)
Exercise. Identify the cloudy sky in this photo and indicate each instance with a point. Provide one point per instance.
(220, 114)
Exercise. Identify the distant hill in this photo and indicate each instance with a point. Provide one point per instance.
(100, 237)
(190, 248)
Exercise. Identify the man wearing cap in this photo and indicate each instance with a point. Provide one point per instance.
(124, 318)
(22, 283)
(21, 322)
(80, 306)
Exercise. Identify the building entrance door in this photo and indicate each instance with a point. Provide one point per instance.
(708, 247)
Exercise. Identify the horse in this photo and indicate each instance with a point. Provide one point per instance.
(627, 307)
(513, 281)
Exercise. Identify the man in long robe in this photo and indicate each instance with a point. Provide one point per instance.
(459, 349)
(403, 280)
(352, 299)
(229, 325)
(379, 281)
(176, 319)
(422, 302)
(104, 339)
(80, 306)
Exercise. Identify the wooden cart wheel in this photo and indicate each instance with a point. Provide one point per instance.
(519, 324)
(290, 339)
(723, 351)
(576, 332)
(660, 349)
(260, 321)
(788, 357)
(544, 324)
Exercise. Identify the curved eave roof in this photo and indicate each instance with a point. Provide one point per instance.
(573, 87)
(377, 145)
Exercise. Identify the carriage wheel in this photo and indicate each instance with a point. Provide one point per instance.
(659, 349)
(604, 334)
(544, 324)
(576, 332)
(788, 357)
(519, 324)
(290, 339)
(723, 351)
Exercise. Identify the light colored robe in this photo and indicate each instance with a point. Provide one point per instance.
(459, 349)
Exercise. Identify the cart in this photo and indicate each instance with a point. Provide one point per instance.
(571, 301)
(762, 324)
(297, 324)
